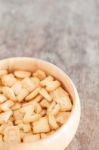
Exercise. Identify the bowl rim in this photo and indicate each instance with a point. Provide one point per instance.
(61, 129)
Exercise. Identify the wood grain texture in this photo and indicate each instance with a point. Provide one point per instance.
(64, 32)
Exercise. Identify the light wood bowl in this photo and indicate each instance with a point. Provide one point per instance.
(61, 139)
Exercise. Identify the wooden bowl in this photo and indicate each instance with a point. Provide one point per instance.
(61, 139)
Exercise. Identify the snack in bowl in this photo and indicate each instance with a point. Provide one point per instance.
(33, 105)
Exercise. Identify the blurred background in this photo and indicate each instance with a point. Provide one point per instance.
(66, 33)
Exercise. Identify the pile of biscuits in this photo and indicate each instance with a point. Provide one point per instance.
(33, 105)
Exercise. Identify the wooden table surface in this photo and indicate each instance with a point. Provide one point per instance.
(66, 33)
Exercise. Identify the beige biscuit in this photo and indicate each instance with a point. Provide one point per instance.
(3, 72)
(38, 98)
(22, 74)
(16, 106)
(41, 126)
(43, 113)
(52, 122)
(45, 94)
(22, 134)
(32, 102)
(1, 138)
(8, 80)
(33, 94)
(43, 135)
(44, 103)
(4, 117)
(20, 125)
(2, 98)
(1, 89)
(28, 84)
(0, 82)
(8, 92)
(23, 93)
(25, 127)
(31, 137)
(62, 117)
(31, 118)
(12, 134)
(35, 81)
(18, 117)
(37, 108)
(6, 105)
(28, 109)
(62, 98)
(53, 108)
(52, 132)
(46, 80)
(16, 122)
(39, 74)
(4, 126)
(11, 118)
(17, 87)
(52, 85)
